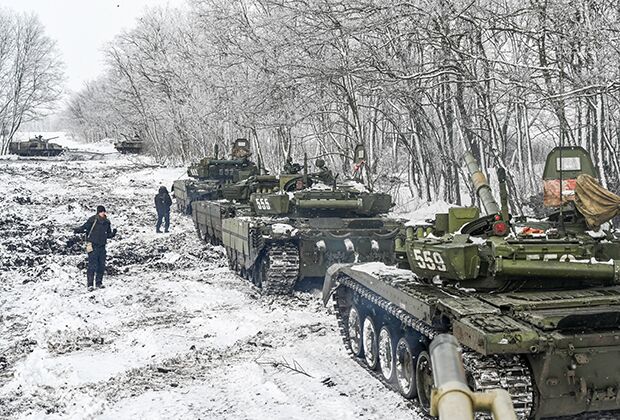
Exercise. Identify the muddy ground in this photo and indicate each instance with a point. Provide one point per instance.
(174, 334)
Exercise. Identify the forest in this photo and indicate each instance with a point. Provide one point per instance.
(418, 82)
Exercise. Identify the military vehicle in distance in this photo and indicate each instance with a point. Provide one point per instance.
(211, 173)
(306, 224)
(130, 145)
(36, 146)
(535, 304)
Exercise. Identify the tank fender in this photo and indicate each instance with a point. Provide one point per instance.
(330, 283)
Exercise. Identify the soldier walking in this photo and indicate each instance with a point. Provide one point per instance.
(99, 231)
(162, 205)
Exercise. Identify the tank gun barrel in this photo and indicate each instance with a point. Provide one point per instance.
(481, 185)
(329, 204)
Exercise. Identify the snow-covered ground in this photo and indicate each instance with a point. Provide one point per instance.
(174, 335)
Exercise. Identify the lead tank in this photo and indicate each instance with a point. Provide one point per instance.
(210, 173)
(36, 146)
(305, 225)
(534, 304)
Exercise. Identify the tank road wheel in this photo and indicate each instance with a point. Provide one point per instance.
(405, 367)
(424, 380)
(386, 351)
(370, 342)
(354, 327)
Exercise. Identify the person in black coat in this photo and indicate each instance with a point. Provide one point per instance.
(162, 205)
(99, 230)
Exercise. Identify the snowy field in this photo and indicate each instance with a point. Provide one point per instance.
(174, 335)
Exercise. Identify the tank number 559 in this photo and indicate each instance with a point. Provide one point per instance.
(428, 260)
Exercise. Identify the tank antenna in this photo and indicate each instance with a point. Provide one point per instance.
(562, 228)
(305, 177)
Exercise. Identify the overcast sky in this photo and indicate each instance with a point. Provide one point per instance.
(82, 27)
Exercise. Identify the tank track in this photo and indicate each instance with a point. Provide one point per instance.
(510, 373)
(282, 270)
(491, 372)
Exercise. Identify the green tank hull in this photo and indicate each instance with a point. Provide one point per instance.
(129, 147)
(311, 245)
(209, 215)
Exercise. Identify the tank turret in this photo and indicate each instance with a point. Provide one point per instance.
(210, 173)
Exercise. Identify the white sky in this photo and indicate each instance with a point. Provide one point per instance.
(81, 28)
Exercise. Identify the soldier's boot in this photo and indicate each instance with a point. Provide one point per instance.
(99, 281)
(90, 279)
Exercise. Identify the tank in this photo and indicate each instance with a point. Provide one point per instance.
(308, 223)
(209, 175)
(209, 214)
(535, 304)
(130, 145)
(36, 146)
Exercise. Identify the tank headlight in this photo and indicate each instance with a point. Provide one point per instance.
(500, 228)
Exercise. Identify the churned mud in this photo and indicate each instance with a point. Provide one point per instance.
(174, 334)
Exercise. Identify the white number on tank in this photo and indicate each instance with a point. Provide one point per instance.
(429, 260)
(441, 266)
(263, 204)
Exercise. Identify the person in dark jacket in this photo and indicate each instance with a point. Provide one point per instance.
(98, 229)
(162, 205)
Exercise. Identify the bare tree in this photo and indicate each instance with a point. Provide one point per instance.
(417, 82)
(31, 73)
